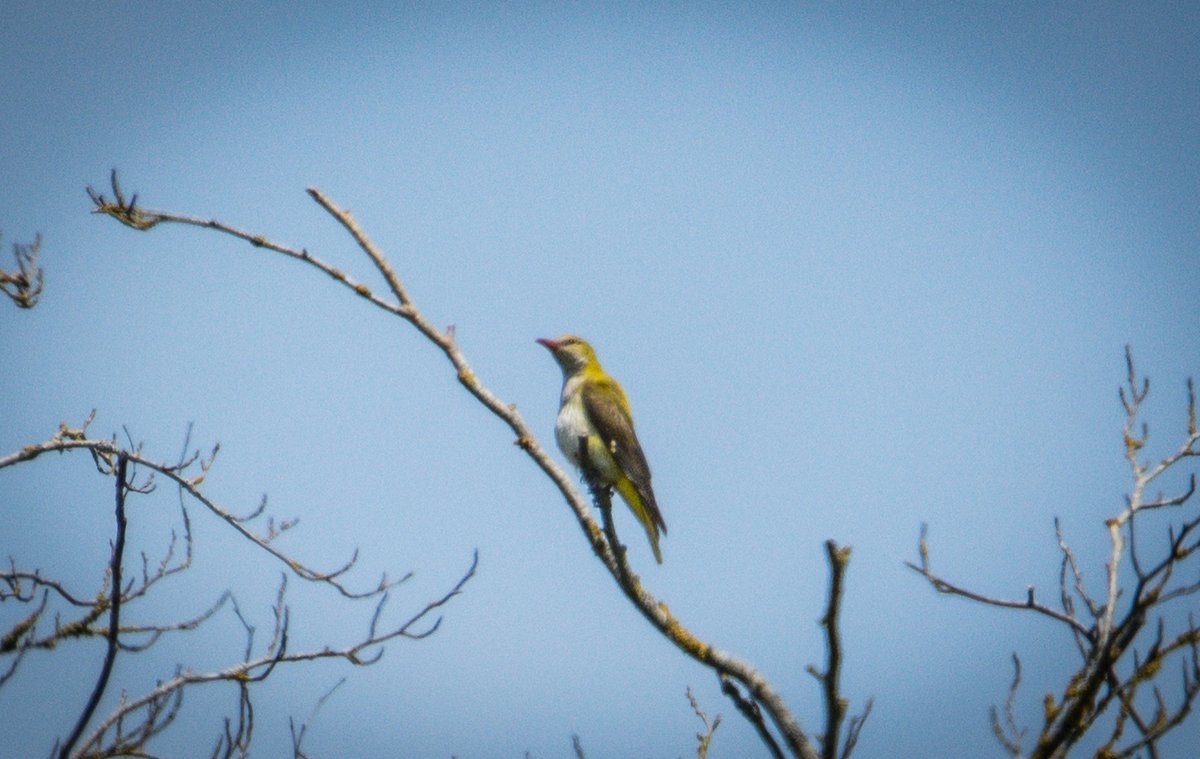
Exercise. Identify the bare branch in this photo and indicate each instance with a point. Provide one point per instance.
(704, 739)
(1009, 733)
(605, 548)
(1067, 600)
(131, 215)
(24, 284)
(298, 735)
(753, 714)
(854, 728)
(234, 741)
(252, 669)
(657, 613)
(835, 704)
(114, 624)
(103, 451)
(1030, 601)
(14, 578)
(1118, 622)
(134, 721)
(19, 637)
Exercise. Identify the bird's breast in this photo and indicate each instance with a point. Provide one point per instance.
(576, 435)
(572, 425)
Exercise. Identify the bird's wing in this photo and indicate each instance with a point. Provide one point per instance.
(601, 402)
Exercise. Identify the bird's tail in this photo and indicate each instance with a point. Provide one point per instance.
(646, 512)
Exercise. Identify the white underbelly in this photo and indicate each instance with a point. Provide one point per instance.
(573, 432)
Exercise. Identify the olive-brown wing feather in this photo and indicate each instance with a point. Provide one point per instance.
(601, 401)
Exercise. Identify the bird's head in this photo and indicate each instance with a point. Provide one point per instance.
(572, 353)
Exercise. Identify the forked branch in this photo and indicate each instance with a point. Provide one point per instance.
(601, 539)
(1120, 658)
(134, 721)
(23, 285)
(114, 623)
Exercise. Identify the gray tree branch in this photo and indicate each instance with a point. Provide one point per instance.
(129, 213)
(1120, 660)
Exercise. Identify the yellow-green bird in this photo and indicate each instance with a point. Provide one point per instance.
(595, 431)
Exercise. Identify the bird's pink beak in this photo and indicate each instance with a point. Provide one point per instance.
(548, 343)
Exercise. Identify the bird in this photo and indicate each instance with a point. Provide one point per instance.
(595, 432)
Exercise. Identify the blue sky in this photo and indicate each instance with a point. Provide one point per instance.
(858, 268)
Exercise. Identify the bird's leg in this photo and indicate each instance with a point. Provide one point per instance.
(582, 457)
(601, 496)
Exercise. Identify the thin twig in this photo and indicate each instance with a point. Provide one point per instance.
(704, 739)
(298, 735)
(104, 450)
(255, 669)
(1120, 619)
(753, 714)
(835, 705)
(1030, 602)
(129, 213)
(24, 284)
(854, 728)
(114, 623)
(1009, 733)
